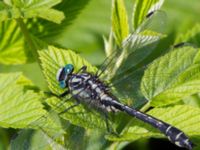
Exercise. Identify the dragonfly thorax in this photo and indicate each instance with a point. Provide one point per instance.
(87, 88)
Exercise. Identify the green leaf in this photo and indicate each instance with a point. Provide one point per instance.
(137, 47)
(49, 31)
(20, 107)
(35, 140)
(29, 9)
(191, 36)
(108, 44)
(78, 115)
(11, 44)
(52, 59)
(120, 25)
(184, 117)
(142, 8)
(172, 77)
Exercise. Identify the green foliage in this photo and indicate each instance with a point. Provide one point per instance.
(172, 77)
(22, 108)
(142, 8)
(29, 9)
(119, 21)
(52, 59)
(50, 31)
(192, 36)
(18, 106)
(27, 28)
(13, 47)
(140, 42)
(11, 44)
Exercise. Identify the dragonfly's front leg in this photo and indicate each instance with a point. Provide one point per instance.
(108, 126)
(64, 94)
(109, 129)
(83, 69)
(58, 96)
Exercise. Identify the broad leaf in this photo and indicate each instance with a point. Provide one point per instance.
(11, 44)
(120, 25)
(37, 140)
(192, 36)
(20, 108)
(48, 30)
(78, 115)
(184, 117)
(29, 9)
(172, 77)
(142, 8)
(54, 58)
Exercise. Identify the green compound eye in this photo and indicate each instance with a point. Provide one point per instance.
(63, 73)
(69, 68)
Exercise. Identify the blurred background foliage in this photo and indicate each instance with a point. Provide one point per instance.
(84, 34)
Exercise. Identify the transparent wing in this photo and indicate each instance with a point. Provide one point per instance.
(137, 46)
(128, 84)
(56, 137)
(127, 61)
(48, 127)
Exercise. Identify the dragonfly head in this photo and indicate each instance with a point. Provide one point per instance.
(63, 75)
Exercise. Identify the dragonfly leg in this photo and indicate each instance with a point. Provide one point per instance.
(64, 94)
(67, 109)
(107, 123)
(83, 69)
(108, 127)
(61, 95)
(50, 93)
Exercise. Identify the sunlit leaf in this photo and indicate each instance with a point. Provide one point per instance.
(29, 9)
(49, 30)
(78, 115)
(54, 58)
(18, 108)
(11, 44)
(22, 108)
(191, 36)
(120, 25)
(172, 77)
(29, 139)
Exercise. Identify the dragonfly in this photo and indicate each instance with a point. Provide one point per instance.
(89, 89)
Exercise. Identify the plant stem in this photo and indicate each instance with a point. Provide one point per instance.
(145, 107)
(33, 47)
